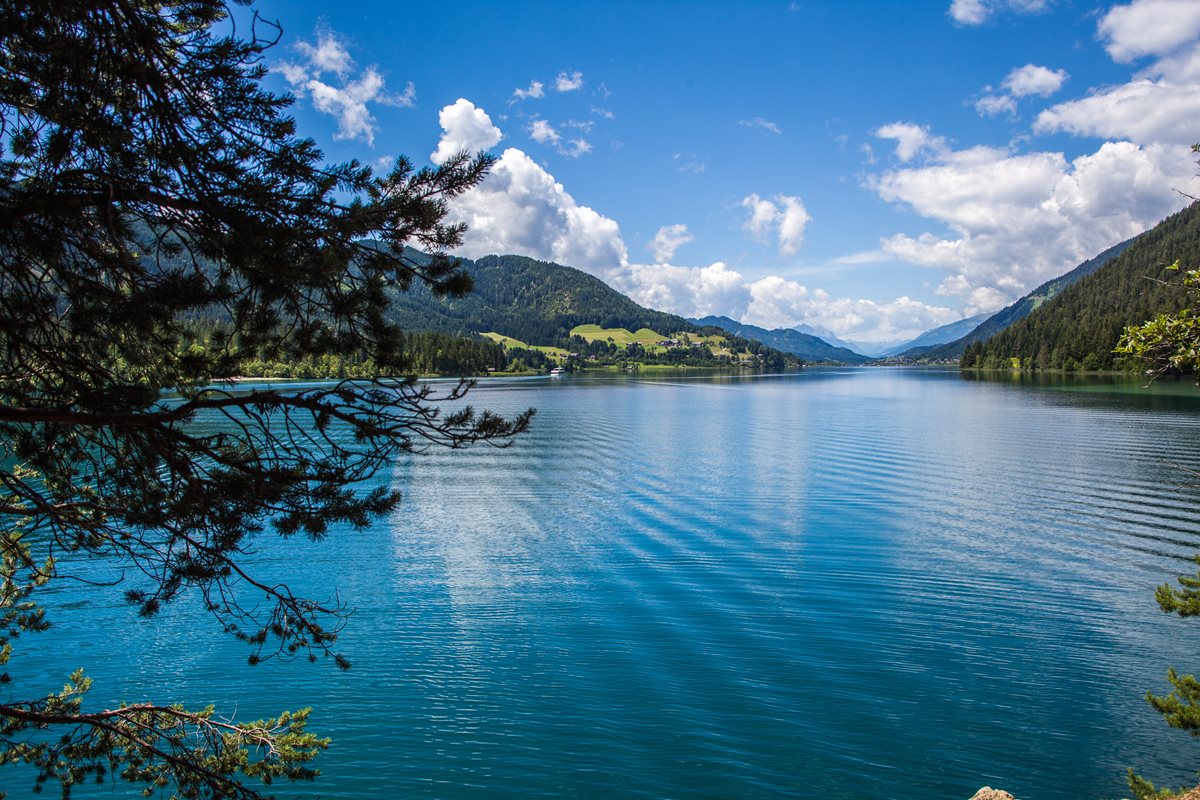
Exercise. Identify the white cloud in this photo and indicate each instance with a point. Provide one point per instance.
(763, 214)
(759, 122)
(688, 291)
(543, 132)
(1158, 104)
(536, 89)
(1141, 110)
(520, 208)
(1032, 79)
(576, 148)
(792, 222)
(976, 12)
(1029, 80)
(669, 239)
(1018, 220)
(911, 140)
(784, 216)
(464, 127)
(348, 100)
(585, 125)
(603, 112)
(969, 12)
(329, 54)
(568, 83)
(993, 105)
(1149, 27)
(779, 303)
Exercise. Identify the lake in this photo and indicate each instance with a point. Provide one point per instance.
(840, 583)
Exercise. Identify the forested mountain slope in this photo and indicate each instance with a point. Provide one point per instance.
(1018, 310)
(1079, 326)
(540, 302)
(534, 301)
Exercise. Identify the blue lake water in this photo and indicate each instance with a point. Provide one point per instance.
(860, 583)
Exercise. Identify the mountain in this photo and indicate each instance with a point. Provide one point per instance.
(789, 340)
(1002, 319)
(1078, 325)
(535, 301)
(824, 334)
(876, 349)
(942, 335)
(539, 302)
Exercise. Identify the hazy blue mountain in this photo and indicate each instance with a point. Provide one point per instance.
(944, 334)
(824, 334)
(788, 340)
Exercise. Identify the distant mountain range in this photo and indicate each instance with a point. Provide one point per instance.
(943, 335)
(1062, 322)
(789, 340)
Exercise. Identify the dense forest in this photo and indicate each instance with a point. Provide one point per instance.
(1077, 328)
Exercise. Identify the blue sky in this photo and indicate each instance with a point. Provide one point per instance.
(876, 168)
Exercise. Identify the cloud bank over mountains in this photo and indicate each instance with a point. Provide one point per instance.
(992, 221)
(1019, 218)
(521, 208)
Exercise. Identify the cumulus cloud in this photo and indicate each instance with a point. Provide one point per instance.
(1026, 81)
(329, 54)
(911, 140)
(993, 105)
(1149, 27)
(669, 239)
(759, 122)
(1032, 79)
(464, 127)
(543, 132)
(977, 12)
(347, 97)
(536, 89)
(520, 208)
(688, 291)
(783, 217)
(1160, 103)
(969, 12)
(1020, 219)
(576, 148)
(1141, 110)
(568, 83)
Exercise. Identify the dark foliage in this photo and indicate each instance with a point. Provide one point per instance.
(148, 182)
